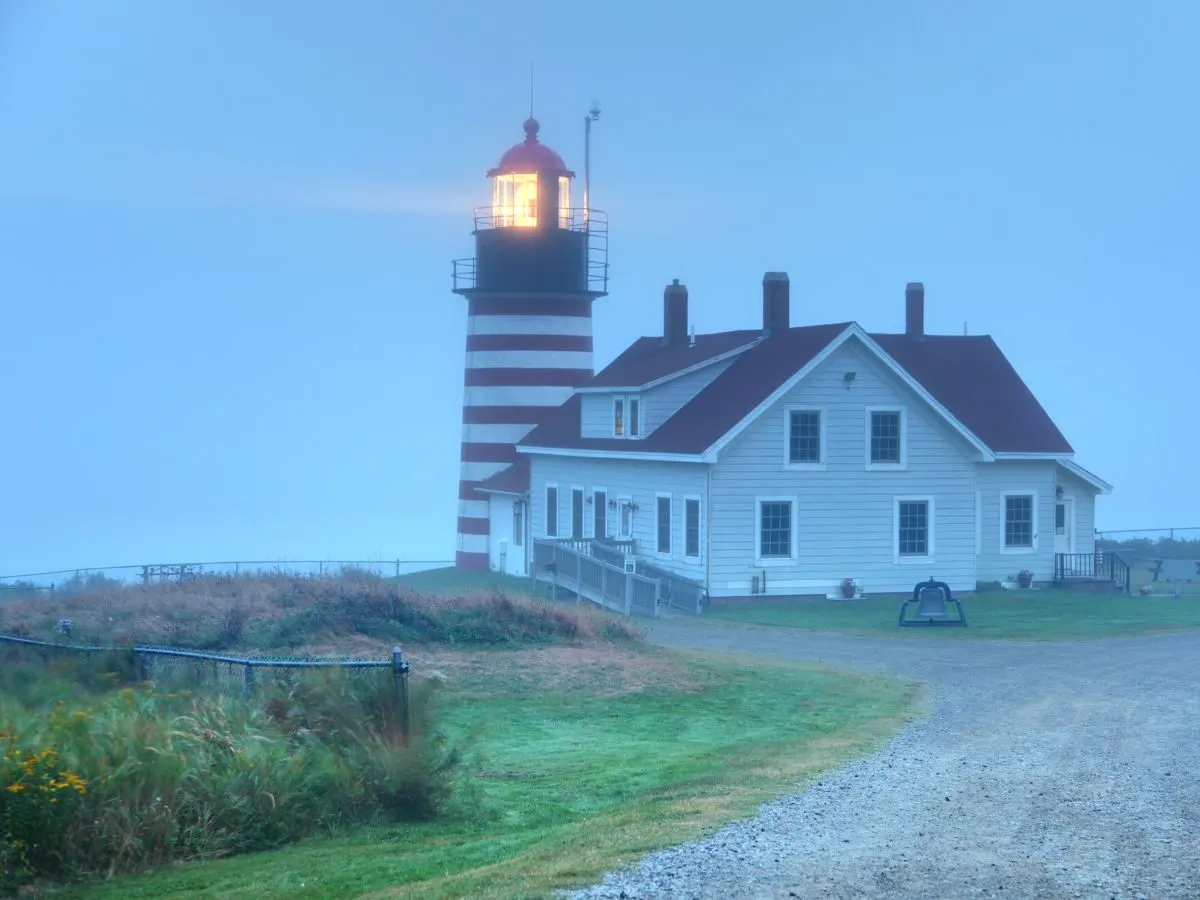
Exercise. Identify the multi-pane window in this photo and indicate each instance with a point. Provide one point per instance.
(1018, 520)
(885, 436)
(600, 513)
(691, 527)
(775, 529)
(1060, 518)
(518, 523)
(912, 538)
(551, 511)
(577, 513)
(663, 524)
(627, 417)
(804, 436)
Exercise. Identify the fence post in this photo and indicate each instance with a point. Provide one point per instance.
(143, 666)
(397, 568)
(400, 685)
(248, 681)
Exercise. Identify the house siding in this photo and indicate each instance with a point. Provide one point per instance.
(662, 402)
(1016, 476)
(638, 480)
(845, 513)
(656, 405)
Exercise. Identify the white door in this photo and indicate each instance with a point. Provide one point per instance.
(1064, 526)
(625, 525)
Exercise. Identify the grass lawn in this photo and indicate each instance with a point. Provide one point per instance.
(1013, 615)
(449, 580)
(588, 757)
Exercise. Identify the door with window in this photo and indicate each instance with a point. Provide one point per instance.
(1064, 526)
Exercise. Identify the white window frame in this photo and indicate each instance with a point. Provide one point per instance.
(557, 507)
(624, 500)
(582, 492)
(930, 531)
(658, 551)
(759, 560)
(699, 501)
(787, 439)
(595, 506)
(1035, 512)
(626, 403)
(900, 466)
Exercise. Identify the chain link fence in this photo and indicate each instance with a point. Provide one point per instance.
(71, 580)
(1165, 561)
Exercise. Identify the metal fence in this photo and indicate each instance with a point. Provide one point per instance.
(97, 576)
(150, 661)
(1163, 560)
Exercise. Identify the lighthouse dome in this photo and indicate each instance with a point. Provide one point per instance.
(531, 157)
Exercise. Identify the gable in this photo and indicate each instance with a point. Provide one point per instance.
(967, 381)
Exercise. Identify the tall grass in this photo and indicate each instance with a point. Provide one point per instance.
(275, 610)
(99, 778)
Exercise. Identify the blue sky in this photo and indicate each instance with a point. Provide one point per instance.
(226, 233)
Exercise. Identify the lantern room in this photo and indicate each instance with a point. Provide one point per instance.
(531, 185)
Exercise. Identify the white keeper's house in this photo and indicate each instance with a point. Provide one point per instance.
(775, 460)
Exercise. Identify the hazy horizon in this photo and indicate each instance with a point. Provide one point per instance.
(228, 233)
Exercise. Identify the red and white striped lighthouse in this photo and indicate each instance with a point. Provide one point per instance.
(538, 265)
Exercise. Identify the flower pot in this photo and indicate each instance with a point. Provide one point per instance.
(1025, 580)
(848, 590)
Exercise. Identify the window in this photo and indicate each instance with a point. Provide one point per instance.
(1060, 518)
(627, 417)
(885, 438)
(776, 530)
(1019, 533)
(518, 523)
(691, 527)
(662, 523)
(551, 510)
(803, 438)
(914, 528)
(576, 512)
(599, 513)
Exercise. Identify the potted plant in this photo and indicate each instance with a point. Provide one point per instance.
(1025, 578)
(849, 588)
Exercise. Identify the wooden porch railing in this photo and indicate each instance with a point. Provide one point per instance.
(571, 566)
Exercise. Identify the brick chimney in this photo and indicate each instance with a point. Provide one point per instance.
(914, 309)
(675, 314)
(776, 290)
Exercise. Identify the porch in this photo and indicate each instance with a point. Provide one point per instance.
(1103, 570)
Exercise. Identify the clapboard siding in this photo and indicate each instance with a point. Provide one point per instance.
(596, 415)
(995, 479)
(846, 514)
(662, 402)
(656, 405)
(641, 482)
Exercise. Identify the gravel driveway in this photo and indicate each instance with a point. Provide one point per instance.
(1043, 771)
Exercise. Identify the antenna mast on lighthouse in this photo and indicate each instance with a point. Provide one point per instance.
(592, 116)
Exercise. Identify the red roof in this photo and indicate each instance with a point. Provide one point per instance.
(968, 375)
(649, 359)
(530, 157)
(513, 480)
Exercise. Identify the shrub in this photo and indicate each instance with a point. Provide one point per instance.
(122, 779)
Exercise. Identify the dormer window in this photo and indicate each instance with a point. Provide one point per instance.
(627, 417)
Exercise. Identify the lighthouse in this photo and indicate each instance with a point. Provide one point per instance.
(539, 263)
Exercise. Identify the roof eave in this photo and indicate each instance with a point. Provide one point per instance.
(1084, 475)
(635, 455)
(671, 376)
